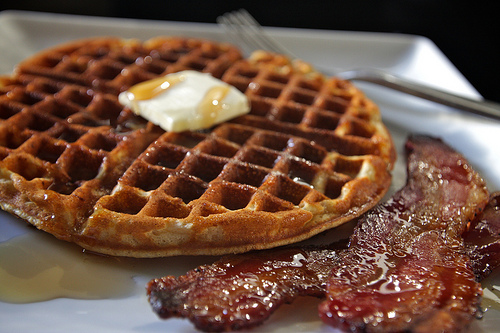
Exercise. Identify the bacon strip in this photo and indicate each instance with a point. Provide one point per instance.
(482, 239)
(241, 291)
(406, 268)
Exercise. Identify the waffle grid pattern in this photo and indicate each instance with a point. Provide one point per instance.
(312, 153)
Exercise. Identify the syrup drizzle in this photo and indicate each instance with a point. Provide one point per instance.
(36, 267)
(212, 104)
(33, 270)
(152, 88)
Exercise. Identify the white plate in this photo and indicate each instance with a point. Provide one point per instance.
(23, 33)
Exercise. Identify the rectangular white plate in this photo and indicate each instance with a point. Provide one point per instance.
(23, 33)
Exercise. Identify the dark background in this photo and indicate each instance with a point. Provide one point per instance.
(466, 31)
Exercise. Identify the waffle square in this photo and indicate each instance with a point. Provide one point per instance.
(312, 153)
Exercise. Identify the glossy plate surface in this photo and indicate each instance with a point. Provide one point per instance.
(121, 305)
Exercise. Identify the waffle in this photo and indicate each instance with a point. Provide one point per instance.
(312, 154)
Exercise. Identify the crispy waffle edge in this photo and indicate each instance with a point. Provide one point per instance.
(312, 154)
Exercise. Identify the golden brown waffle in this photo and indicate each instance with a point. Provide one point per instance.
(312, 154)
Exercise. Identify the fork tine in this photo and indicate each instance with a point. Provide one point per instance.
(237, 33)
(258, 32)
(243, 26)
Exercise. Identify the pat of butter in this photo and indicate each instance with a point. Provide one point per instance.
(186, 100)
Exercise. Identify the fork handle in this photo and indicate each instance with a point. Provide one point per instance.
(481, 107)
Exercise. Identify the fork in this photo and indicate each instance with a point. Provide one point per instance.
(250, 35)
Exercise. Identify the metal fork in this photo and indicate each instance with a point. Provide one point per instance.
(250, 35)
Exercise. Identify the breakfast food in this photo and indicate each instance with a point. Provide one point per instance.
(241, 291)
(406, 269)
(482, 239)
(311, 154)
(385, 274)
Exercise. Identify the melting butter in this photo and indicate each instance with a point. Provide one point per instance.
(186, 100)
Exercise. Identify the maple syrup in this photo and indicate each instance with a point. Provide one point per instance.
(37, 267)
(212, 104)
(152, 88)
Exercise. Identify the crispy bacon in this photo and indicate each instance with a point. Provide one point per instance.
(406, 268)
(482, 239)
(241, 291)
